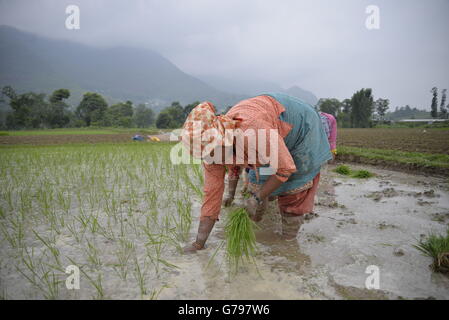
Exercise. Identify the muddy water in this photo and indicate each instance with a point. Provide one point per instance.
(357, 223)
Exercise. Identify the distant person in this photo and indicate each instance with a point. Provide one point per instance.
(330, 127)
(302, 150)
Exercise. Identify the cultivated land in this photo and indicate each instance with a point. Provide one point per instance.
(121, 211)
(403, 139)
(412, 150)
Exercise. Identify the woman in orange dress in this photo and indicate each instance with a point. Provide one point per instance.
(293, 135)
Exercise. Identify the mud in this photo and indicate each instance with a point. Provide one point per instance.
(347, 233)
(404, 139)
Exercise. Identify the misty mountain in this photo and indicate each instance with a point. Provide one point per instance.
(252, 87)
(29, 62)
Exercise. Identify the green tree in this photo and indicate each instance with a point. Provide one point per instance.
(331, 106)
(92, 108)
(381, 106)
(59, 95)
(362, 108)
(171, 117)
(9, 92)
(344, 117)
(28, 109)
(176, 112)
(443, 109)
(143, 116)
(163, 120)
(58, 115)
(119, 115)
(434, 106)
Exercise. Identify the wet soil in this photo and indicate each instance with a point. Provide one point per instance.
(357, 223)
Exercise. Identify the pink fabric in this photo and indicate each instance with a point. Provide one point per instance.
(333, 130)
(260, 112)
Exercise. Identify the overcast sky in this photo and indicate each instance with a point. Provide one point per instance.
(321, 46)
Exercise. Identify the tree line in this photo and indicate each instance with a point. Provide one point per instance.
(356, 112)
(362, 111)
(32, 110)
(35, 110)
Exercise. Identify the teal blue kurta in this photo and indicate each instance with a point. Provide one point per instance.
(307, 143)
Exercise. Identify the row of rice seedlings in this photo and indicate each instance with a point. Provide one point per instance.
(183, 221)
(140, 275)
(157, 244)
(13, 239)
(123, 255)
(74, 188)
(97, 283)
(188, 181)
(51, 248)
(93, 256)
(44, 280)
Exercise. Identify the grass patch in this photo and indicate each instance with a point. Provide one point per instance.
(240, 238)
(416, 158)
(343, 169)
(437, 248)
(79, 131)
(362, 174)
(346, 171)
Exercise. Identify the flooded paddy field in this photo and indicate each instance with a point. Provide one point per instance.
(122, 212)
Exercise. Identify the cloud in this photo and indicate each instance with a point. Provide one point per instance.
(323, 46)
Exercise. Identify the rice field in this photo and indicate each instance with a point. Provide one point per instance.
(118, 212)
(116, 216)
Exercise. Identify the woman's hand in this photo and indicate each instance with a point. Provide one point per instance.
(255, 208)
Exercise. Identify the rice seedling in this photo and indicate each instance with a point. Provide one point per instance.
(155, 248)
(139, 275)
(240, 238)
(362, 174)
(436, 247)
(73, 193)
(77, 235)
(93, 255)
(97, 283)
(183, 221)
(154, 294)
(188, 181)
(2, 213)
(53, 250)
(47, 282)
(343, 169)
(4, 293)
(9, 236)
(123, 255)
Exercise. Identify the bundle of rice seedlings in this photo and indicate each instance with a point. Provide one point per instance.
(362, 174)
(342, 169)
(240, 238)
(436, 247)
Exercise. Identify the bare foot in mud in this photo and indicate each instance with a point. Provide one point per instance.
(192, 248)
